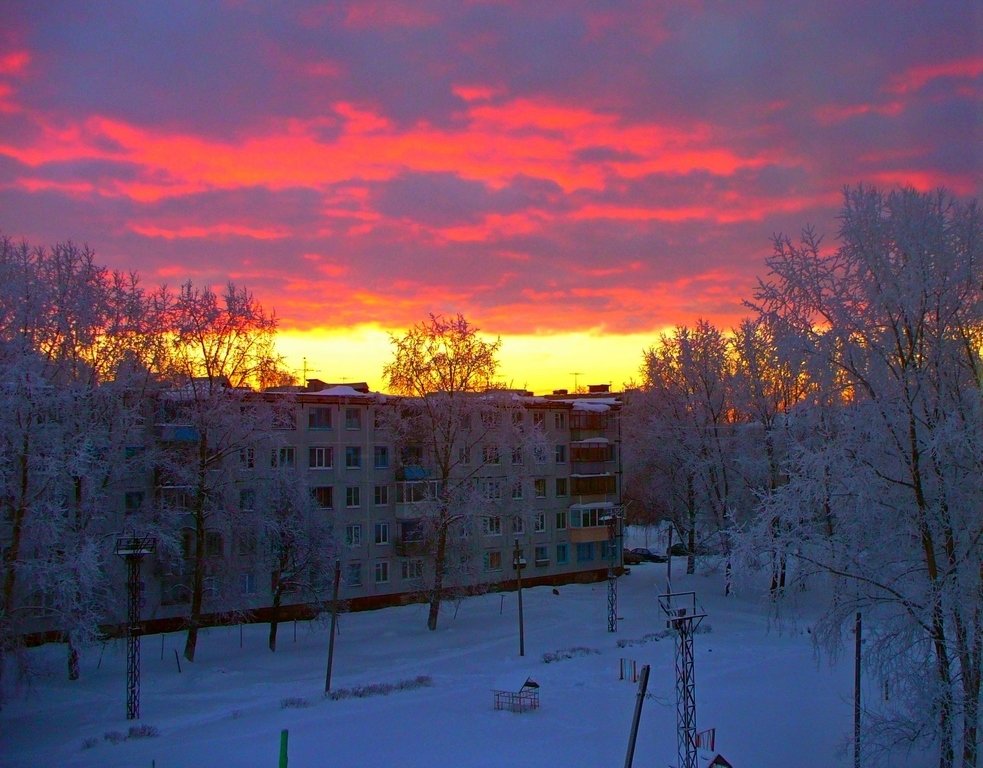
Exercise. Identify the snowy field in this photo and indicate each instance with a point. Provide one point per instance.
(758, 683)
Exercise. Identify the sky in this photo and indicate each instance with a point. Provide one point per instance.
(575, 178)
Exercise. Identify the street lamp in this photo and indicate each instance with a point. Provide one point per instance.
(518, 563)
(133, 549)
(611, 521)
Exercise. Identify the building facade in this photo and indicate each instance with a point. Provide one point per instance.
(356, 491)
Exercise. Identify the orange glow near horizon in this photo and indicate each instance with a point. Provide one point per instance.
(538, 363)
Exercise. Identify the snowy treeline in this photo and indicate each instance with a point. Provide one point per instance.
(88, 359)
(836, 438)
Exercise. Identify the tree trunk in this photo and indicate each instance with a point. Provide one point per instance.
(73, 660)
(437, 593)
(691, 533)
(198, 583)
(275, 615)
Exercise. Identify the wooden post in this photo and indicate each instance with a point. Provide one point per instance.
(643, 683)
(334, 624)
(856, 692)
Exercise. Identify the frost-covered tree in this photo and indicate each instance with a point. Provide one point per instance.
(296, 542)
(449, 427)
(219, 345)
(69, 399)
(690, 429)
(887, 508)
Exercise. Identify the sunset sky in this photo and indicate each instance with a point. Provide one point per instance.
(575, 177)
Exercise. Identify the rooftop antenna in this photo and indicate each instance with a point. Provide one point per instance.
(307, 370)
(575, 374)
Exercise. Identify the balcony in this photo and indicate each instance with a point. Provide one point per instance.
(585, 535)
(411, 548)
(176, 433)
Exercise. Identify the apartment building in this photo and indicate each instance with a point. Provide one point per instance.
(550, 489)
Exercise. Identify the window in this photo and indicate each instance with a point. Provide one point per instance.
(415, 491)
(517, 418)
(133, 501)
(411, 569)
(593, 484)
(561, 520)
(353, 575)
(247, 583)
(323, 496)
(213, 544)
(490, 454)
(353, 457)
(246, 544)
(320, 457)
(561, 487)
(607, 550)
(538, 418)
(353, 418)
(560, 420)
(283, 418)
(539, 522)
(517, 490)
(589, 518)
(352, 496)
(491, 487)
(380, 495)
(464, 454)
(353, 535)
(382, 533)
(491, 525)
(380, 457)
(561, 454)
(539, 453)
(283, 457)
(247, 458)
(540, 487)
(517, 455)
(319, 418)
(247, 499)
(411, 455)
(381, 572)
(585, 552)
(562, 554)
(542, 555)
(493, 561)
(592, 452)
(518, 524)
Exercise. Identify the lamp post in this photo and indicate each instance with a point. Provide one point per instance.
(133, 549)
(611, 521)
(518, 563)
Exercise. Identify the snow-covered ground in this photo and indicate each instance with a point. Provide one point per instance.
(758, 683)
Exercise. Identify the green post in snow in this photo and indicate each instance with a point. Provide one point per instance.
(283, 748)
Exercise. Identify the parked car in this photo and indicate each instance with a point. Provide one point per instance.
(648, 555)
(628, 557)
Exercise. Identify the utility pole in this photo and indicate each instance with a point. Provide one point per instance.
(133, 549)
(519, 562)
(334, 624)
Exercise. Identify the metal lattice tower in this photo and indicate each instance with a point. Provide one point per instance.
(132, 550)
(680, 609)
(614, 522)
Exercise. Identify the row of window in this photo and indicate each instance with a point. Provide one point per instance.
(322, 418)
(492, 561)
(322, 456)
(412, 570)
